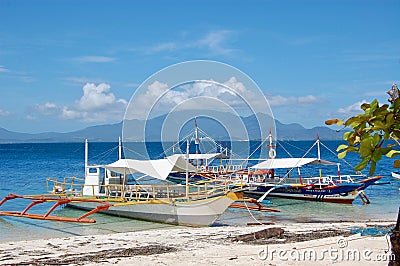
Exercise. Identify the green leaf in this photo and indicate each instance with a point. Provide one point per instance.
(342, 154)
(372, 168)
(382, 110)
(375, 140)
(365, 106)
(379, 125)
(376, 156)
(386, 136)
(396, 105)
(366, 147)
(374, 105)
(354, 121)
(384, 151)
(389, 119)
(348, 135)
(392, 153)
(342, 147)
(361, 165)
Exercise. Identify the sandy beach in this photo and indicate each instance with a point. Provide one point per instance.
(285, 244)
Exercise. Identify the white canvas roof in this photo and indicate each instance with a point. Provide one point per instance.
(159, 169)
(289, 163)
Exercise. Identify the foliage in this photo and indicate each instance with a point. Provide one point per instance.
(374, 133)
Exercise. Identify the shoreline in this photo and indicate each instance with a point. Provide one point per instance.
(223, 245)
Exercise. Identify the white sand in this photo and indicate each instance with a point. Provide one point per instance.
(210, 246)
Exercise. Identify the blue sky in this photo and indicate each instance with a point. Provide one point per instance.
(66, 65)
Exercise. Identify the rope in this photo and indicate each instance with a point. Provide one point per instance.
(135, 152)
(326, 147)
(254, 218)
(287, 143)
(387, 242)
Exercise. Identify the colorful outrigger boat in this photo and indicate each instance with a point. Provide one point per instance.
(262, 180)
(330, 188)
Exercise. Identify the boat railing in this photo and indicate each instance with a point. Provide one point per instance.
(224, 168)
(333, 179)
(71, 185)
(291, 180)
(347, 178)
(74, 186)
(328, 180)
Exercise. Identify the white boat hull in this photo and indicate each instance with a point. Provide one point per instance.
(196, 213)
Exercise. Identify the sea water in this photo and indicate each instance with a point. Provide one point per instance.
(25, 167)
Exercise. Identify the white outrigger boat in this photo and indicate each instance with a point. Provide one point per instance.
(179, 204)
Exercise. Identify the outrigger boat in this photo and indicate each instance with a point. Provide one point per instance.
(331, 188)
(179, 204)
(262, 180)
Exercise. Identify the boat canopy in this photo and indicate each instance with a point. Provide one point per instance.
(159, 169)
(289, 163)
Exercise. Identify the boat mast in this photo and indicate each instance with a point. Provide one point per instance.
(272, 151)
(86, 155)
(318, 148)
(187, 165)
(119, 148)
(196, 139)
(319, 159)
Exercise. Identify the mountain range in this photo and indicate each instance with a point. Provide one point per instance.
(111, 132)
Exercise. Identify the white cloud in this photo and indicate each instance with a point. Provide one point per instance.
(83, 80)
(168, 46)
(214, 42)
(96, 97)
(4, 113)
(232, 94)
(3, 69)
(131, 85)
(95, 59)
(97, 104)
(47, 108)
(235, 85)
(67, 113)
(351, 109)
(309, 99)
(279, 100)
(31, 117)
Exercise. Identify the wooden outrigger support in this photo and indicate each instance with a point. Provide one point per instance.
(364, 198)
(58, 202)
(258, 206)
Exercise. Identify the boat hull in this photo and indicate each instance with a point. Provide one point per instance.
(338, 194)
(344, 199)
(199, 213)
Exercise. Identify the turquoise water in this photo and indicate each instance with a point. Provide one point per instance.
(25, 167)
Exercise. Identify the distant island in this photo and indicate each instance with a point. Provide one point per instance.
(111, 132)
